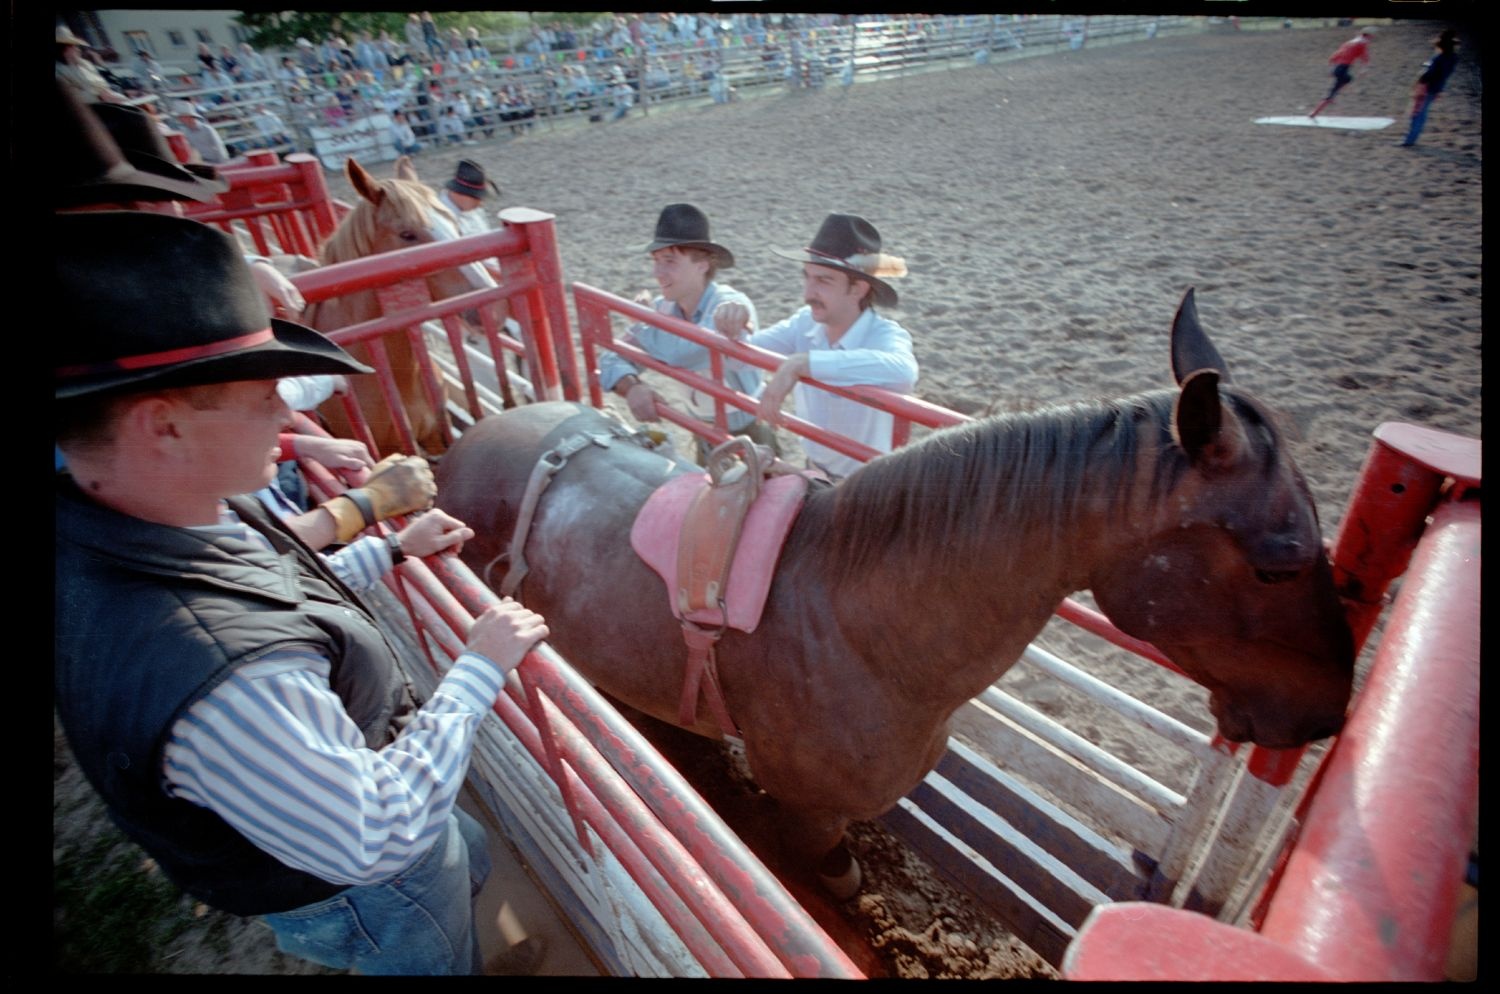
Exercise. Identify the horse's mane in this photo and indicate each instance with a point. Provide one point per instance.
(355, 236)
(944, 497)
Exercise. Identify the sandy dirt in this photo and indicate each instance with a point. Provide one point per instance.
(1052, 211)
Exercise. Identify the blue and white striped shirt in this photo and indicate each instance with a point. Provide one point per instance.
(272, 751)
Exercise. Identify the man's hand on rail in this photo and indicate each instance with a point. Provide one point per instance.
(732, 320)
(505, 633)
(779, 385)
(433, 532)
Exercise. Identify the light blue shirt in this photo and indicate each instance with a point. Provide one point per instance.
(680, 352)
(875, 351)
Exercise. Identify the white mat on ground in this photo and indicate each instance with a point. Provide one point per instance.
(1347, 123)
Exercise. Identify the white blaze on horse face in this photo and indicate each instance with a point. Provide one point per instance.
(444, 230)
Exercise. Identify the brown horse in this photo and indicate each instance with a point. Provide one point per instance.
(391, 214)
(912, 585)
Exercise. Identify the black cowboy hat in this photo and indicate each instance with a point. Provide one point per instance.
(111, 153)
(851, 244)
(469, 180)
(685, 226)
(151, 301)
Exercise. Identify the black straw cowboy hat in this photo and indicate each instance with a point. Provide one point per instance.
(110, 153)
(849, 243)
(150, 300)
(685, 226)
(469, 180)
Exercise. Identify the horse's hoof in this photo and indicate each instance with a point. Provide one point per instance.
(841, 884)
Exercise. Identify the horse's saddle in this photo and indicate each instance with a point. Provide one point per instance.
(714, 539)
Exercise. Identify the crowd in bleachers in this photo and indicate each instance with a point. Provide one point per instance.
(455, 87)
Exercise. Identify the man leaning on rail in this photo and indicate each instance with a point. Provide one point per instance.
(234, 703)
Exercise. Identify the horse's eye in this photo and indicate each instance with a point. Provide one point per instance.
(1270, 576)
(408, 236)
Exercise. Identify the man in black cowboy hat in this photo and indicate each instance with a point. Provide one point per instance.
(464, 195)
(229, 697)
(837, 338)
(685, 262)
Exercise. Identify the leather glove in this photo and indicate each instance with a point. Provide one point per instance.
(397, 485)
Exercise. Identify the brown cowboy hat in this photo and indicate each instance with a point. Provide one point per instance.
(685, 226)
(110, 153)
(152, 301)
(849, 243)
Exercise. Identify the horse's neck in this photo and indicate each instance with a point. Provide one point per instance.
(946, 617)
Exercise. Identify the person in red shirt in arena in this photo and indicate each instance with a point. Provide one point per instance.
(1356, 49)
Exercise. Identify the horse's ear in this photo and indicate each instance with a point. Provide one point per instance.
(364, 184)
(1191, 349)
(1210, 435)
(406, 170)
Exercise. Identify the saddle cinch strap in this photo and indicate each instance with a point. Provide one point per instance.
(547, 466)
(705, 551)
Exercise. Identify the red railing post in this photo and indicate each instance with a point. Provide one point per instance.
(541, 239)
(313, 188)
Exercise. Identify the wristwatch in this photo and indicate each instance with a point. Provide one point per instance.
(394, 544)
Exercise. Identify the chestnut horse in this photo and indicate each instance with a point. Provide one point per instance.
(391, 214)
(912, 585)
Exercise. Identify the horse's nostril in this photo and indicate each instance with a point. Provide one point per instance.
(1271, 576)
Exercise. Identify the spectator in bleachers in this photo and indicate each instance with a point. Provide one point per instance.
(657, 75)
(229, 63)
(619, 36)
(254, 64)
(415, 37)
(430, 39)
(307, 58)
(451, 127)
(328, 53)
(292, 75)
(205, 57)
(402, 135)
(621, 94)
(219, 84)
(367, 56)
(684, 263)
(391, 49)
(516, 108)
(837, 338)
(76, 69)
(200, 135)
(461, 106)
(269, 126)
(477, 51)
(149, 73)
(482, 107)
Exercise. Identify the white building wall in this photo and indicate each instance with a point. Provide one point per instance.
(163, 29)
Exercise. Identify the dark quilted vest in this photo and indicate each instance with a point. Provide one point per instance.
(149, 618)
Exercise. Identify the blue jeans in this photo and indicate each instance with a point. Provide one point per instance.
(418, 923)
(1418, 120)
